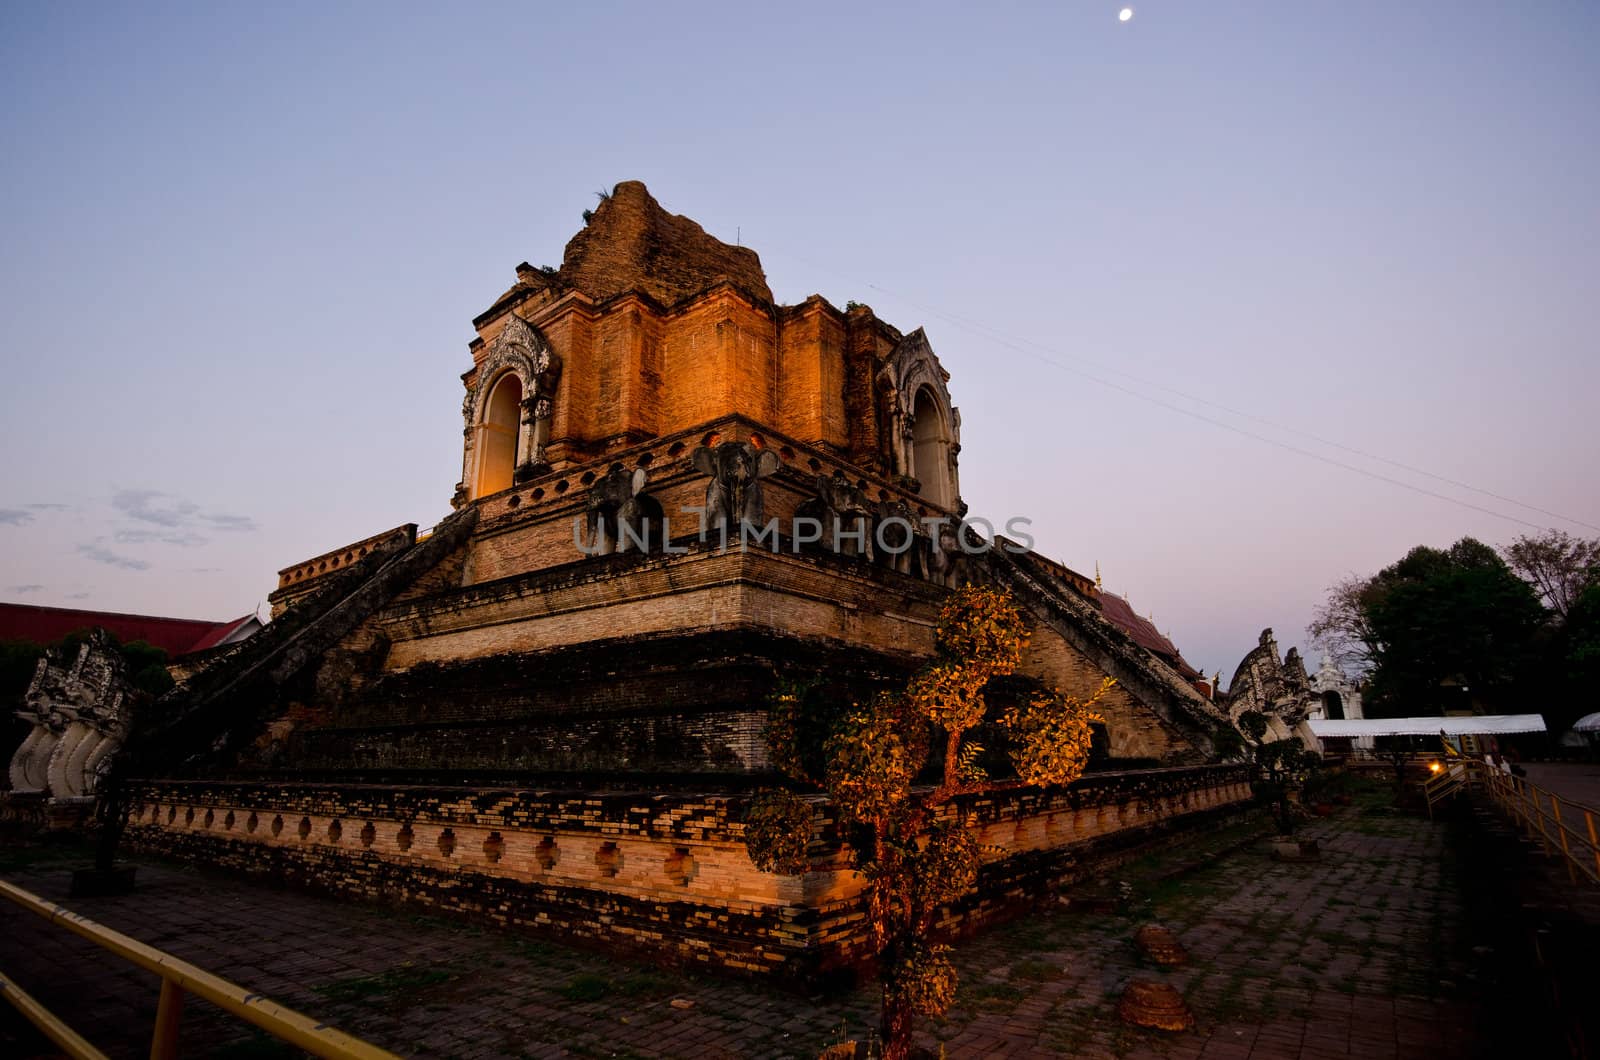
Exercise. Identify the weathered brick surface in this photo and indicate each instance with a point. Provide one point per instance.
(648, 352)
(1133, 730)
(662, 872)
(1283, 965)
(297, 581)
(703, 590)
(632, 244)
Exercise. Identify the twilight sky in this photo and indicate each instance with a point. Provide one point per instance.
(242, 246)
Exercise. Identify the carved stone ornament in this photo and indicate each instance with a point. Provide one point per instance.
(1146, 1003)
(79, 717)
(910, 368)
(620, 516)
(843, 513)
(733, 495)
(1160, 945)
(520, 350)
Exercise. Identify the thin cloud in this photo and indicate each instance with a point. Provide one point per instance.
(175, 513)
(203, 570)
(230, 523)
(77, 596)
(153, 506)
(14, 517)
(24, 588)
(101, 554)
(181, 538)
(50, 507)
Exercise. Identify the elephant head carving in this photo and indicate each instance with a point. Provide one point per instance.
(946, 558)
(733, 495)
(845, 515)
(619, 515)
(903, 541)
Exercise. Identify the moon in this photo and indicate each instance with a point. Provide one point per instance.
(1125, 14)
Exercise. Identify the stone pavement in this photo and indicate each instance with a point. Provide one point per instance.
(1577, 781)
(1368, 952)
(1577, 784)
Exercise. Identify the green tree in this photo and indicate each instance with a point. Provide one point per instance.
(1341, 627)
(1439, 629)
(1575, 659)
(1280, 765)
(915, 855)
(1559, 566)
(18, 660)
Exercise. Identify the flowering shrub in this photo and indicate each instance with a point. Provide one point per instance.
(913, 857)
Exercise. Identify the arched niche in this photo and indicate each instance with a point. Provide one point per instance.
(923, 429)
(1332, 705)
(930, 449)
(499, 436)
(507, 408)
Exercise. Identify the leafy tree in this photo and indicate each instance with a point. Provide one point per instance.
(1437, 618)
(18, 660)
(1576, 657)
(147, 665)
(1341, 627)
(915, 854)
(1281, 764)
(1556, 564)
(1565, 571)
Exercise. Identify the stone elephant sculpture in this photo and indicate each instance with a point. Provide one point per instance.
(947, 561)
(619, 516)
(843, 513)
(901, 539)
(733, 496)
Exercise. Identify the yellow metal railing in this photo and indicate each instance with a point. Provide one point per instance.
(1445, 779)
(1548, 817)
(177, 979)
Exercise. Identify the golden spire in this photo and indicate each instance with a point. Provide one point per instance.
(1098, 585)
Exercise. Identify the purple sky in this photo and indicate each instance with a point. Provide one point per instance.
(242, 247)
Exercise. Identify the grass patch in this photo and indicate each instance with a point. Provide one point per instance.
(535, 949)
(586, 988)
(397, 980)
(45, 856)
(993, 997)
(1033, 970)
(589, 987)
(1034, 934)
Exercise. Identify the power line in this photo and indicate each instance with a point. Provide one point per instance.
(1049, 356)
(999, 336)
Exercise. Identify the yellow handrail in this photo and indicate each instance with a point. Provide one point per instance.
(1448, 778)
(177, 977)
(71, 1042)
(1539, 810)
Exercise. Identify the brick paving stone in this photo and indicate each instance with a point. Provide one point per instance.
(1363, 953)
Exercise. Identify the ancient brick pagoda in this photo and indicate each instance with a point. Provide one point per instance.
(548, 710)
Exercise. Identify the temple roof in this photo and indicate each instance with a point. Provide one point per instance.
(1144, 632)
(176, 636)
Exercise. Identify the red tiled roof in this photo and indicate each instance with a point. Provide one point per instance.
(1144, 633)
(221, 632)
(1141, 630)
(178, 636)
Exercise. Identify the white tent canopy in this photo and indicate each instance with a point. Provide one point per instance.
(1587, 723)
(1486, 724)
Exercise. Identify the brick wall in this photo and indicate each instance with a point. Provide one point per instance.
(667, 874)
(1133, 729)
